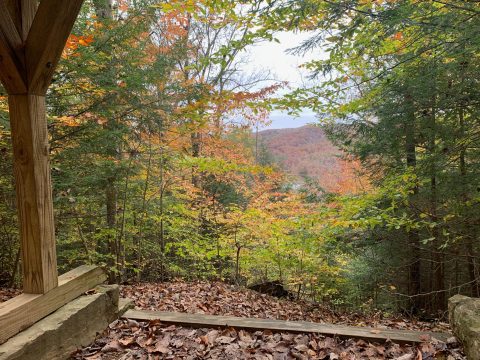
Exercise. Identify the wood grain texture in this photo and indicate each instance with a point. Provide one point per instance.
(22, 13)
(28, 9)
(50, 29)
(12, 73)
(34, 192)
(9, 29)
(24, 310)
(201, 320)
(32, 38)
(14, 8)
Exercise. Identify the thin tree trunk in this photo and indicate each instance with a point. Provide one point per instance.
(162, 192)
(237, 265)
(104, 11)
(413, 236)
(111, 202)
(142, 212)
(474, 288)
(438, 256)
(15, 268)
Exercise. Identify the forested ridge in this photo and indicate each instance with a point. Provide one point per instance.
(158, 173)
(309, 157)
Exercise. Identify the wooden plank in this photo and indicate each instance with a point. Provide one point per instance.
(24, 310)
(201, 320)
(34, 192)
(45, 41)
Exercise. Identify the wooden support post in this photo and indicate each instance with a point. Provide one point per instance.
(32, 37)
(34, 192)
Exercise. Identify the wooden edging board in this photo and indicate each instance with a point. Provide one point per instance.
(24, 310)
(369, 334)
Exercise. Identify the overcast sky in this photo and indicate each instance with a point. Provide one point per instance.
(284, 67)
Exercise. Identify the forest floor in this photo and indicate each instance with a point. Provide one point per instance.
(129, 339)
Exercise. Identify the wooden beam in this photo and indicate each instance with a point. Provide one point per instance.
(12, 74)
(22, 13)
(45, 41)
(14, 8)
(24, 310)
(34, 192)
(32, 38)
(28, 11)
(9, 29)
(201, 320)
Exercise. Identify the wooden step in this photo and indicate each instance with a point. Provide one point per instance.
(365, 333)
(124, 305)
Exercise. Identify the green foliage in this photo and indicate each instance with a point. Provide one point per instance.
(153, 179)
(401, 82)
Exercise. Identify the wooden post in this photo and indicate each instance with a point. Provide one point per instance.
(31, 43)
(34, 192)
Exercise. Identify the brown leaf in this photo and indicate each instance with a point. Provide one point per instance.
(425, 337)
(244, 336)
(406, 357)
(112, 346)
(224, 340)
(161, 346)
(281, 347)
(127, 341)
(204, 339)
(301, 347)
(132, 323)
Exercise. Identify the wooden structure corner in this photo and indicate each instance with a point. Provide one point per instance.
(32, 37)
(24, 310)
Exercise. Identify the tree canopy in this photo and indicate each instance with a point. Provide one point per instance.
(157, 172)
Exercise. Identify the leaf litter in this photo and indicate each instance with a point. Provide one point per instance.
(152, 340)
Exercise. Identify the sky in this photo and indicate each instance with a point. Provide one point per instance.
(283, 66)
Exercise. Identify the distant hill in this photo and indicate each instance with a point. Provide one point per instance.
(306, 151)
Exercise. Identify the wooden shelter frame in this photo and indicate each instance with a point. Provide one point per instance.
(32, 37)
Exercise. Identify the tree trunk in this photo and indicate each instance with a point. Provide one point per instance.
(104, 11)
(474, 288)
(416, 302)
(438, 257)
(237, 265)
(111, 203)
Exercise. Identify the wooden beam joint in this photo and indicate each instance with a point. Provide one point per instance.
(32, 38)
(32, 41)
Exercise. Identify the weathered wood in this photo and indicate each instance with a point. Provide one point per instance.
(9, 29)
(32, 38)
(14, 8)
(22, 13)
(24, 310)
(12, 74)
(12, 61)
(50, 29)
(201, 320)
(28, 11)
(34, 192)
